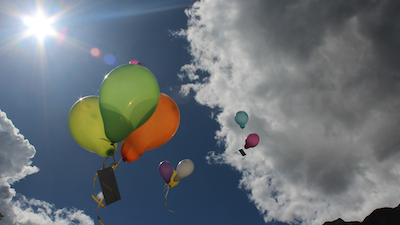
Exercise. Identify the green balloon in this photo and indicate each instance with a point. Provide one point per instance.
(128, 97)
(87, 128)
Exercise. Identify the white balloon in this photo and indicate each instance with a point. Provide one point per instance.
(185, 168)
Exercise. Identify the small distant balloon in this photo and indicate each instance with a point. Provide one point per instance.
(184, 169)
(135, 61)
(241, 118)
(95, 52)
(252, 141)
(166, 170)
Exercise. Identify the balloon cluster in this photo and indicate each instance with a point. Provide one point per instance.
(252, 139)
(171, 177)
(129, 108)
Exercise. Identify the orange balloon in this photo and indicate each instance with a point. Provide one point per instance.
(156, 131)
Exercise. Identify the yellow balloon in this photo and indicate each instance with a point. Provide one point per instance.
(87, 127)
(173, 183)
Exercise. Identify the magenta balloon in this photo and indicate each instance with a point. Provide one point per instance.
(134, 61)
(166, 169)
(252, 141)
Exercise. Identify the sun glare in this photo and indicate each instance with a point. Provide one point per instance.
(42, 21)
(39, 26)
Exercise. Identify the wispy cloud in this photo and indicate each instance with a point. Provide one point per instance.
(320, 82)
(15, 163)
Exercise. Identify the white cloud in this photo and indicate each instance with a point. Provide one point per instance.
(320, 82)
(15, 164)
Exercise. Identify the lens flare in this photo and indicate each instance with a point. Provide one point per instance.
(95, 52)
(109, 59)
(61, 36)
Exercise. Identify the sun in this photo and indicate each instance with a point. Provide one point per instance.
(39, 25)
(43, 23)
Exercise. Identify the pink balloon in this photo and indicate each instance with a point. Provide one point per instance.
(134, 61)
(252, 141)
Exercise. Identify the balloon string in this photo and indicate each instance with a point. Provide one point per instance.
(241, 150)
(113, 154)
(104, 163)
(115, 194)
(94, 182)
(166, 191)
(99, 202)
(114, 165)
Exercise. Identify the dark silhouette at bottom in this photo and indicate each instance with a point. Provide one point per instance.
(382, 216)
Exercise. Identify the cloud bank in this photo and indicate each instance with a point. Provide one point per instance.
(15, 164)
(320, 81)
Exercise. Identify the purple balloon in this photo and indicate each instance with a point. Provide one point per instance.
(252, 141)
(166, 170)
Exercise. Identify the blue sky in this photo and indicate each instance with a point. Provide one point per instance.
(44, 91)
(320, 82)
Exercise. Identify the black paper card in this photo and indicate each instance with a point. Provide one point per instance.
(108, 185)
